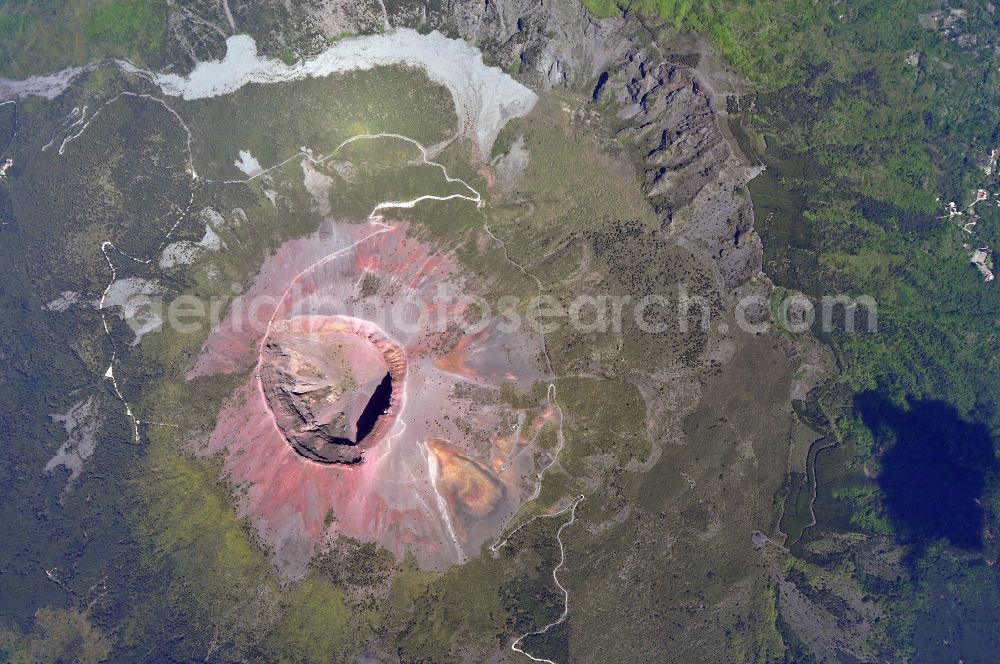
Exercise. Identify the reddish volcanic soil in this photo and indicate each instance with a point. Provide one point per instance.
(446, 462)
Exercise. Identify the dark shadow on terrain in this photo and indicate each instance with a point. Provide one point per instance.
(374, 409)
(935, 466)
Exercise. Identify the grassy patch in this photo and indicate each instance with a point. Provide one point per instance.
(42, 37)
(272, 122)
(129, 25)
(604, 418)
(317, 627)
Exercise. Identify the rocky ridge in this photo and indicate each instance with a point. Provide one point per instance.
(668, 114)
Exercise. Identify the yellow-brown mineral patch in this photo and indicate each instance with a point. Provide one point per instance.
(455, 361)
(467, 485)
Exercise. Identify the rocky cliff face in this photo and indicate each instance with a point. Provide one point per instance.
(690, 172)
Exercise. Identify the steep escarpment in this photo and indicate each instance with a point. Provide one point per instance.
(693, 179)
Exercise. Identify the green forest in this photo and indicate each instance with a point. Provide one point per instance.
(872, 118)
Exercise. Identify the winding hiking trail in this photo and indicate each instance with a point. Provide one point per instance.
(571, 508)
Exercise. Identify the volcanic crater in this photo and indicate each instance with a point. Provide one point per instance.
(332, 383)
